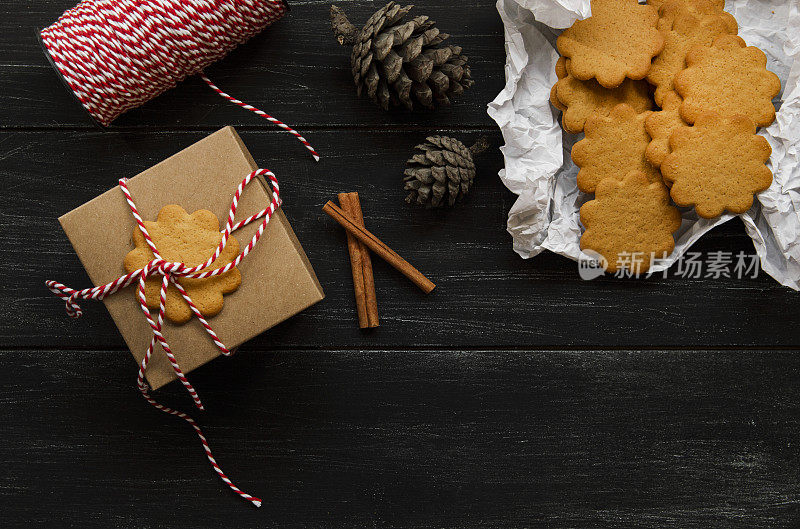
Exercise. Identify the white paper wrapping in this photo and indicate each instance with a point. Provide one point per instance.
(538, 167)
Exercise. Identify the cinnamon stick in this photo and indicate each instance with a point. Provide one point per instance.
(361, 266)
(355, 265)
(379, 247)
(366, 264)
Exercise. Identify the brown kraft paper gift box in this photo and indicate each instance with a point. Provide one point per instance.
(277, 278)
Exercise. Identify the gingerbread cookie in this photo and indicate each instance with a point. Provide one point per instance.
(660, 125)
(619, 40)
(583, 98)
(613, 147)
(729, 78)
(189, 239)
(717, 165)
(685, 24)
(630, 222)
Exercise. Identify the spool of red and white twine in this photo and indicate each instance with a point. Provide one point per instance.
(170, 272)
(116, 55)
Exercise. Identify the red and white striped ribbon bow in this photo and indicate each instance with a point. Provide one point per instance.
(116, 55)
(170, 272)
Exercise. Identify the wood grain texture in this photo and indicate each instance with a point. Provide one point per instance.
(515, 395)
(445, 438)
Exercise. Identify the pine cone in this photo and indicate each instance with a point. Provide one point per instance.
(442, 172)
(401, 63)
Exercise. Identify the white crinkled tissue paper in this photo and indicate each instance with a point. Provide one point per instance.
(539, 170)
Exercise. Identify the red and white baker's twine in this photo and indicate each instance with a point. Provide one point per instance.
(117, 54)
(170, 272)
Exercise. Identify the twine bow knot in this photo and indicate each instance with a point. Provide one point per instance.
(157, 266)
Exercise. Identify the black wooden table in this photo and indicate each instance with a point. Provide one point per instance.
(515, 395)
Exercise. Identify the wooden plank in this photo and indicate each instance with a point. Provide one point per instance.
(486, 297)
(295, 69)
(409, 439)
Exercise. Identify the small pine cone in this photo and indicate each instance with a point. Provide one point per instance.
(441, 172)
(397, 62)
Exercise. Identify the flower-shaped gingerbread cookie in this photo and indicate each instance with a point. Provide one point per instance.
(614, 146)
(717, 165)
(685, 24)
(729, 78)
(660, 125)
(619, 40)
(580, 99)
(630, 222)
(189, 239)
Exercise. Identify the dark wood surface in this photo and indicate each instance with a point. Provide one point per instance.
(515, 395)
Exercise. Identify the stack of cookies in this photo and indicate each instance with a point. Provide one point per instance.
(669, 99)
